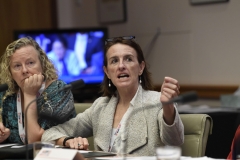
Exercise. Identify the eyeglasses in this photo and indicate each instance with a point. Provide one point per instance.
(121, 38)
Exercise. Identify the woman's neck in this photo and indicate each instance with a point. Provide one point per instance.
(126, 95)
(47, 83)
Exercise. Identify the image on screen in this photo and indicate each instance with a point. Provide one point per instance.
(76, 53)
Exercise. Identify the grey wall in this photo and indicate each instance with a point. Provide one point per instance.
(197, 44)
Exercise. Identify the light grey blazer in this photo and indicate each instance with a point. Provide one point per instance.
(145, 129)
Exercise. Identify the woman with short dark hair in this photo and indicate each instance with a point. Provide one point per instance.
(130, 117)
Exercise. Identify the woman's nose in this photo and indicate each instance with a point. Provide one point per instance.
(24, 69)
(121, 64)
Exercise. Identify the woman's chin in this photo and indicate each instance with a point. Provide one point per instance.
(126, 85)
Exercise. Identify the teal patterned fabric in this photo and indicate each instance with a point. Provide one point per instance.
(51, 110)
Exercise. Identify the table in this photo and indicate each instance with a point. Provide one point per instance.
(16, 153)
(21, 153)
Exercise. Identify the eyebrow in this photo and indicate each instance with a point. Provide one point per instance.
(128, 55)
(26, 60)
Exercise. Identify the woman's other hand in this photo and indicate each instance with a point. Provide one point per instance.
(4, 132)
(32, 84)
(170, 89)
(78, 143)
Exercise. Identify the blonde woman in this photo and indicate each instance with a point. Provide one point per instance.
(29, 73)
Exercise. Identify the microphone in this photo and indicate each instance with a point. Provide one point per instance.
(3, 87)
(184, 98)
(73, 85)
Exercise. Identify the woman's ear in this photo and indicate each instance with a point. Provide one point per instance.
(106, 71)
(142, 66)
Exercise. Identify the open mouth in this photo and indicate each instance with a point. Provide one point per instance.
(123, 76)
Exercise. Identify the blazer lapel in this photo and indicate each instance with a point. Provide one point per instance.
(136, 129)
(104, 132)
(133, 136)
(137, 132)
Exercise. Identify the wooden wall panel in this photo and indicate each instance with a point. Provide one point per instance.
(25, 14)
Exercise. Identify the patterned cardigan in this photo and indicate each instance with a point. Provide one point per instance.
(144, 131)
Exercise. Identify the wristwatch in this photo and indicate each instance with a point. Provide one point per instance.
(65, 140)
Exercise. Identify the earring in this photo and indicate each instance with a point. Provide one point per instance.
(109, 83)
(140, 81)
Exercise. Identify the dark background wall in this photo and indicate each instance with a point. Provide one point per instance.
(25, 14)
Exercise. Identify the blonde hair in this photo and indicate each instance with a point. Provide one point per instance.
(49, 71)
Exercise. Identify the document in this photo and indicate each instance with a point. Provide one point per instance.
(56, 153)
(7, 145)
(127, 158)
(150, 158)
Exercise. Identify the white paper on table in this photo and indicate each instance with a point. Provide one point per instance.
(196, 158)
(151, 158)
(21, 146)
(7, 145)
(84, 151)
(127, 158)
(56, 153)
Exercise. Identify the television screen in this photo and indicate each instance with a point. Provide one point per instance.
(75, 53)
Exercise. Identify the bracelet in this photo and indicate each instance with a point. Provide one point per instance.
(65, 140)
